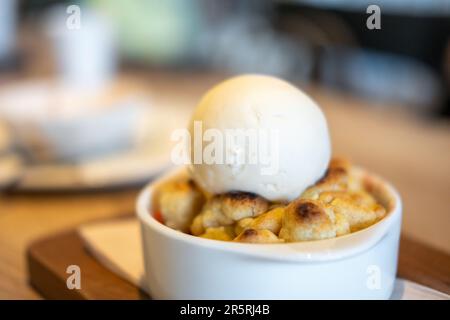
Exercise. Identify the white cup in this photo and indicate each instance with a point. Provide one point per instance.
(86, 56)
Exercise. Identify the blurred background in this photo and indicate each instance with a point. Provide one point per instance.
(91, 90)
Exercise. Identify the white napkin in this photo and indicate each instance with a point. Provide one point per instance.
(117, 245)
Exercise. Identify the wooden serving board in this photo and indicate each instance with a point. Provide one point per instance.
(49, 258)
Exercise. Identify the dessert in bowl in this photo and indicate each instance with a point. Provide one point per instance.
(313, 228)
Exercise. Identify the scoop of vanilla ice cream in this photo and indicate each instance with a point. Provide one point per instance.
(291, 150)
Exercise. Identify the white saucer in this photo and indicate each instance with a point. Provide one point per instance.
(129, 168)
(150, 157)
(147, 154)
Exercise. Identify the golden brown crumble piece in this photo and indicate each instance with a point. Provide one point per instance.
(309, 220)
(270, 220)
(219, 233)
(338, 177)
(257, 236)
(179, 202)
(226, 209)
(359, 208)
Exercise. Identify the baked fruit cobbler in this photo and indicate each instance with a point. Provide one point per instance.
(341, 202)
(293, 192)
(257, 195)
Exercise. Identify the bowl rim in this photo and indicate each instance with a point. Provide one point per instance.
(305, 251)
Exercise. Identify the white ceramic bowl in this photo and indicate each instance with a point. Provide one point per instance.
(52, 122)
(361, 265)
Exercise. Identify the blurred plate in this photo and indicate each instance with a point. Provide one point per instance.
(137, 166)
(51, 121)
(147, 154)
(132, 168)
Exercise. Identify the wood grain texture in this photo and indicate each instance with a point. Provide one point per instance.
(49, 258)
(425, 265)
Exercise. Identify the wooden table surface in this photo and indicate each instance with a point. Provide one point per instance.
(412, 153)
